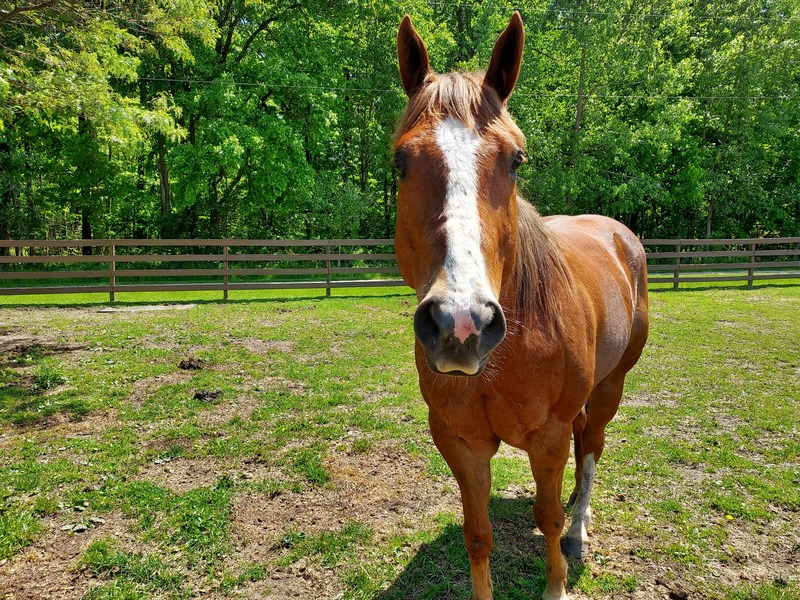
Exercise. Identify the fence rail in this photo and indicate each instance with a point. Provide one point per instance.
(223, 265)
(714, 260)
(111, 266)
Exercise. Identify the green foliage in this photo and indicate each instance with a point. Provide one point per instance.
(259, 118)
(48, 376)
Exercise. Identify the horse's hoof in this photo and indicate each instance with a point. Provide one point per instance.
(575, 548)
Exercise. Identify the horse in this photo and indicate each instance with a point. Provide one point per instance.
(525, 325)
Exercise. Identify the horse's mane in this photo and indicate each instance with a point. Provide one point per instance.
(539, 272)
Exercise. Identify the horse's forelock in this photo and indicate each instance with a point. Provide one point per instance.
(461, 96)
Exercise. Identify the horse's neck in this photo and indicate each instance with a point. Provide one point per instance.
(541, 277)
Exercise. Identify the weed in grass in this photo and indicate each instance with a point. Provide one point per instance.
(251, 574)
(273, 486)
(48, 376)
(778, 589)
(307, 462)
(329, 547)
(362, 445)
(201, 519)
(132, 572)
(17, 529)
(606, 584)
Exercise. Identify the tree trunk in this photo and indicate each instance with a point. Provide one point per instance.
(576, 129)
(86, 229)
(163, 181)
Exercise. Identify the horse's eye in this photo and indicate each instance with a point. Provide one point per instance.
(399, 162)
(518, 159)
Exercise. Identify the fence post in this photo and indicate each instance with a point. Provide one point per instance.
(112, 272)
(225, 272)
(752, 265)
(328, 269)
(676, 274)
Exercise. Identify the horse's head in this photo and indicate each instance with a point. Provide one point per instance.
(457, 151)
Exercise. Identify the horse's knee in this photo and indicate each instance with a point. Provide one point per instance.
(479, 545)
(550, 522)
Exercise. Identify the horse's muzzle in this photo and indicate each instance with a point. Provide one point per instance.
(458, 341)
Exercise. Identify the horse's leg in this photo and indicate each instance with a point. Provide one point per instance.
(470, 466)
(601, 408)
(548, 456)
(578, 425)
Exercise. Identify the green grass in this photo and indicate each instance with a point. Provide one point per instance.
(699, 487)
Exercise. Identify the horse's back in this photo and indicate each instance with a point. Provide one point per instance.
(609, 265)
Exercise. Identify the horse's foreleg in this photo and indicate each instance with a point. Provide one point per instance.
(548, 455)
(470, 465)
(601, 408)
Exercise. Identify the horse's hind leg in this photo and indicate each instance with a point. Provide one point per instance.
(601, 408)
(578, 425)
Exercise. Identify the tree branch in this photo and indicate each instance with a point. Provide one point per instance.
(7, 15)
(262, 27)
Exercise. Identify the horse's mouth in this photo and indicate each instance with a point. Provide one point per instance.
(442, 366)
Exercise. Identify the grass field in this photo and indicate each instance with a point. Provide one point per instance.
(275, 446)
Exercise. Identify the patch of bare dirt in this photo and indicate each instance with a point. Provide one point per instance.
(277, 383)
(181, 475)
(242, 406)
(17, 343)
(50, 568)
(259, 346)
(388, 492)
(758, 554)
(85, 426)
(662, 399)
(145, 387)
(146, 308)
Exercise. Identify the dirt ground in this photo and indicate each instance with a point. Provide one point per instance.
(386, 489)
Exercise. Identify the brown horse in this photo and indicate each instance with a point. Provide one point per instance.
(526, 326)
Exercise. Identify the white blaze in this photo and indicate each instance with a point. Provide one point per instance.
(465, 269)
(464, 264)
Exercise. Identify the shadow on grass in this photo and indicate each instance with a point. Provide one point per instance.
(26, 398)
(21, 405)
(440, 569)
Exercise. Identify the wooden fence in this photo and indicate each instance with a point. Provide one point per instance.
(61, 267)
(706, 261)
(185, 265)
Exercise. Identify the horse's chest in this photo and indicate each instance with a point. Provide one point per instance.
(514, 418)
(491, 414)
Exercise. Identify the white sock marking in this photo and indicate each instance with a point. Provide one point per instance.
(581, 510)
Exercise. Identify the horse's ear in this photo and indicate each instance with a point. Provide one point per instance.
(506, 58)
(412, 57)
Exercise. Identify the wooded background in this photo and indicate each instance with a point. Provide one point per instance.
(272, 118)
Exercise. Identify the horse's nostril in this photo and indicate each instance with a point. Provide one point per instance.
(494, 330)
(427, 323)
